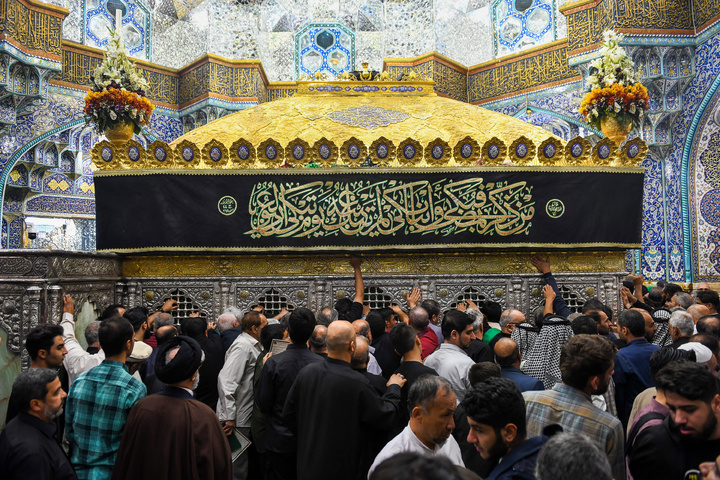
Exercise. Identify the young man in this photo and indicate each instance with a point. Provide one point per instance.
(450, 360)
(496, 414)
(586, 366)
(690, 435)
(99, 402)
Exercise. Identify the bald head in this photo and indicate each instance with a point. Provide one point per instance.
(507, 353)
(698, 311)
(361, 355)
(165, 333)
(509, 319)
(362, 327)
(317, 339)
(340, 340)
(418, 318)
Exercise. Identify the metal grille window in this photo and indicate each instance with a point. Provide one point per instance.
(185, 305)
(274, 301)
(376, 298)
(469, 293)
(574, 302)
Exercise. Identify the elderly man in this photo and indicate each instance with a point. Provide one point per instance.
(508, 320)
(698, 311)
(362, 328)
(359, 363)
(450, 360)
(235, 385)
(333, 410)
(172, 435)
(316, 342)
(99, 402)
(431, 422)
(28, 449)
(229, 327)
(682, 328)
(77, 359)
(507, 355)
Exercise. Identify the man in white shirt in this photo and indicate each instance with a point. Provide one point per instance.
(431, 423)
(235, 384)
(450, 360)
(77, 359)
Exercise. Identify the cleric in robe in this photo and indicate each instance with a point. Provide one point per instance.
(170, 434)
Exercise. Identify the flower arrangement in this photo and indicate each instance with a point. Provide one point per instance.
(614, 88)
(118, 91)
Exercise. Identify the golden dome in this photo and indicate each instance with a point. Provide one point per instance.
(401, 113)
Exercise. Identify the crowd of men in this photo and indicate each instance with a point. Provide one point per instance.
(395, 393)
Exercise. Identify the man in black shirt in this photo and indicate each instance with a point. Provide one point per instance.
(690, 435)
(334, 411)
(28, 448)
(405, 341)
(385, 354)
(359, 363)
(277, 377)
(210, 341)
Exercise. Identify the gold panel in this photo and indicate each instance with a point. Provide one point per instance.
(351, 144)
(604, 148)
(234, 153)
(318, 148)
(516, 148)
(446, 153)
(577, 151)
(501, 152)
(551, 145)
(211, 151)
(338, 116)
(391, 151)
(105, 157)
(417, 264)
(474, 156)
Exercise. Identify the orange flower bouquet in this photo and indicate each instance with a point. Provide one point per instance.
(118, 92)
(614, 88)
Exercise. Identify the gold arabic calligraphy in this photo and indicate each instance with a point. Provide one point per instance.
(388, 207)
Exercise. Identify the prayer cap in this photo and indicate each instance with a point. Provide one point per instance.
(141, 352)
(702, 353)
(185, 363)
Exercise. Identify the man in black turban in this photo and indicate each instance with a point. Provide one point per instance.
(170, 434)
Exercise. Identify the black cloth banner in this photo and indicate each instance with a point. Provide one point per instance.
(344, 209)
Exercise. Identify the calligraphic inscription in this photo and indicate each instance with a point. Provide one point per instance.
(387, 207)
(369, 209)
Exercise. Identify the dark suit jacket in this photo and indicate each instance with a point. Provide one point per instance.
(524, 382)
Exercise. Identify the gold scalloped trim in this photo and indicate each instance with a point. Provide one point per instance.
(446, 155)
(307, 152)
(502, 152)
(624, 157)
(392, 151)
(263, 159)
(154, 162)
(581, 159)
(529, 157)
(345, 154)
(208, 162)
(556, 158)
(416, 160)
(180, 152)
(474, 156)
(240, 162)
(334, 152)
(596, 160)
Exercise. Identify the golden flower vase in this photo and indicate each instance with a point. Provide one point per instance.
(120, 133)
(615, 130)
